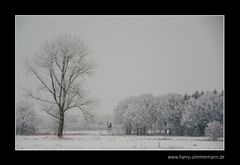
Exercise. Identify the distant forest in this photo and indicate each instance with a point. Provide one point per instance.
(198, 114)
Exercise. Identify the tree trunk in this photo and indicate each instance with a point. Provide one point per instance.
(20, 131)
(61, 124)
(154, 129)
(165, 124)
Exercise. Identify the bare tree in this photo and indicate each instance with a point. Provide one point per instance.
(60, 66)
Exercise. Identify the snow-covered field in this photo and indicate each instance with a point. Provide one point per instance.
(104, 141)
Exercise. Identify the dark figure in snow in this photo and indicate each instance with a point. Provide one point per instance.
(109, 125)
(109, 128)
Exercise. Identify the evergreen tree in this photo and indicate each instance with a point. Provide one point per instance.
(196, 95)
(215, 92)
(186, 97)
(202, 93)
(221, 93)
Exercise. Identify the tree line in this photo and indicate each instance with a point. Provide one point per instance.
(172, 114)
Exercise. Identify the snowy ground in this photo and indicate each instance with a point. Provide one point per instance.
(103, 141)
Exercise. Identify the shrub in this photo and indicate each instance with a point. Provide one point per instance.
(26, 119)
(214, 130)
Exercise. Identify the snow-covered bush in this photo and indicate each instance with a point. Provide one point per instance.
(26, 119)
(214, 130)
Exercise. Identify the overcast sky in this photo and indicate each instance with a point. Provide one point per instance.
(135, 54)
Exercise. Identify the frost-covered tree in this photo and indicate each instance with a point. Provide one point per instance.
(196, 95)
(26, 119)
(161, 114)
(181, 115)
(146, 113)
(190, 118)
(121, 117)
(202, 93)
(215, 92)
(152, 113)
(136, 114)
(214, 130)
(199, 112)
(60, 65)
(170, 108)
(186, 97)
(221, 93)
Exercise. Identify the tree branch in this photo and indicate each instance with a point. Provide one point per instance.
(38, 77)
(40, 99)
(62, 79)
(54, 91)
(78, 105)
(80, 109)
(52, 115)
(54, 75)
(55, 59)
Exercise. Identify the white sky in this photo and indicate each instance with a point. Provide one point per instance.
(135, 54)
